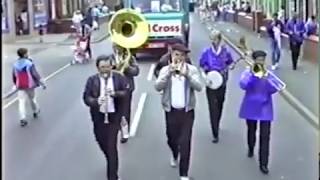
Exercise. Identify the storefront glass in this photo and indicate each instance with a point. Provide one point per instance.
(40, 13)
(4, 16)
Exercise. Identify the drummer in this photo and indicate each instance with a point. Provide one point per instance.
(216, 58)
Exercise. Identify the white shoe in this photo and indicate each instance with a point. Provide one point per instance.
(184, 178)
(173, 162)
(273, 67)
(277, 65)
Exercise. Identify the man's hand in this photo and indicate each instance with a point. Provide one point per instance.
(44, 86)
(232, 66)
(111, 93)
(185, 71)
(102, 100)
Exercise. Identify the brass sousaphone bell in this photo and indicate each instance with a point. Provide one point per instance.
(128, 29)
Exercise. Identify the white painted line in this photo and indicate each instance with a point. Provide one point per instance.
(150, 74)
(137, 115)
(45, 79)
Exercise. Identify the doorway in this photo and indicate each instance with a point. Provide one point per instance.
(22, 17)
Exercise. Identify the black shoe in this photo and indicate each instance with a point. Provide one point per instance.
(264, 169)
(215, 140)
(250, 153)
(36, 114)
(23, 123)
(124, 140)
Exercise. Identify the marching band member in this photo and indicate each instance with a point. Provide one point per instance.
(166, 59)
(216, 58)
(104, 94)
(178, 81)
(257, 107)
(130, 72)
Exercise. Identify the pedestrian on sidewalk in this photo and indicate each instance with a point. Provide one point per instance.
(41, 32)
(86, 34)
(275, 28)
(104, 94)
(311, 26)
(296, 30)
(179, 81)
(257, 107)
(26, 79)
(216, 57)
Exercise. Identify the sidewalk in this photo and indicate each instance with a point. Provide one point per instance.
(303, 83)
(64, 39)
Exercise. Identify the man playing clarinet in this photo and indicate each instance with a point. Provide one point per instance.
(257, 106)
(104, 95)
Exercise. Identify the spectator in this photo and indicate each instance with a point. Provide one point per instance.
(311, 26)
(274, 30)
(296, 30)
(76, 20)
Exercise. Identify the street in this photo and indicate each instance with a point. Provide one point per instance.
(60, 144)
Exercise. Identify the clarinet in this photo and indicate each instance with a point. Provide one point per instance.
(106, 94)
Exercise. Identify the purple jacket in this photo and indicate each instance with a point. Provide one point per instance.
(218, 61)
(257, 102)
(311, 28)
(298, 30)
(210, 60)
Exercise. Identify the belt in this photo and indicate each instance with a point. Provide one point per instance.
(178, 109)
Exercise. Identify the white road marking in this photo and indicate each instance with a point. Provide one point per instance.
(137, 115)
(45, 79)
(150, 74)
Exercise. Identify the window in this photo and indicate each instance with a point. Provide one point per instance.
(4, 15)
(147, 6)
(39, 13)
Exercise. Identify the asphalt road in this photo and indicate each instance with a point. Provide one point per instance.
(60, 144)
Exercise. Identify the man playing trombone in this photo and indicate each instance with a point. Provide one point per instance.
(257, 106)
(129, 70)
(216, 59)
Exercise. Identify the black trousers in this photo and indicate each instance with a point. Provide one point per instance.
(265, 128)
(295, 53)
(106, 136)
(128, 99)
(179, 132)
(215, 102)
(89, 47)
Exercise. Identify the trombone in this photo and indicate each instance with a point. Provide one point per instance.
(257, 69)
(128, 29)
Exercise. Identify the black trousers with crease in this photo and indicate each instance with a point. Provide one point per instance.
(265, 128)
(179, 133)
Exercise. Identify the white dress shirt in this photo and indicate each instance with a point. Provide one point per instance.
(178, 91)
(110, 86)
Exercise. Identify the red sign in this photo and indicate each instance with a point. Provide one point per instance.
(164, 28)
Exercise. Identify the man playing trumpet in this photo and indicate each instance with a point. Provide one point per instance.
(129, 70)
(257, 106)
(179, 81)
(216, 58)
